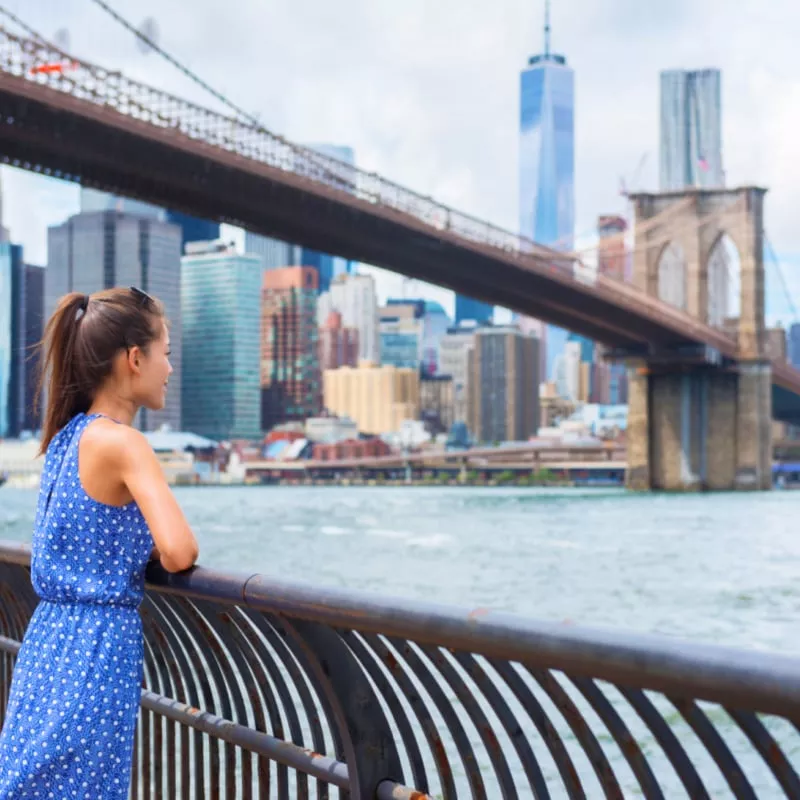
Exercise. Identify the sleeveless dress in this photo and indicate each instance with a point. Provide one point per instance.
(71, 715)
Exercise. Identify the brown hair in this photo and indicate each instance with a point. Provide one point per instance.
(80, 343)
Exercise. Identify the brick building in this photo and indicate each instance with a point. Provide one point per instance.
(290, 374)
(338, 345)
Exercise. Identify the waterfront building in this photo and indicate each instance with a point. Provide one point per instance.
(503, 389)
(432, 325)
(290, 374)
(691, 129)
(330, 429)
(356, 299)
(547, 161)
(338, 345)
(221, 302)
(97, 250)
(436, 400)
(401, 331)
(454, 361)
(377, 398)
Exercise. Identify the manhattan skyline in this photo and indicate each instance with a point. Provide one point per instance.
(403, 98)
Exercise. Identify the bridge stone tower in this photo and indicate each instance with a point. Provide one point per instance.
(698, 421)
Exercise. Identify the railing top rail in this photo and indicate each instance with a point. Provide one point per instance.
(753, 680)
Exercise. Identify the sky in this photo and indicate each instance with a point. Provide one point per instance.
(427, 93)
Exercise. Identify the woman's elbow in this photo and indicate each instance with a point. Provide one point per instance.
(180, 562)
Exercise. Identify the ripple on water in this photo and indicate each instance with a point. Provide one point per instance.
(717, 568)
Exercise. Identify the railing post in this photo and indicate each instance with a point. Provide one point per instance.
(371, 752)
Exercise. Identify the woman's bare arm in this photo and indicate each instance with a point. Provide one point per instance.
(175, 544)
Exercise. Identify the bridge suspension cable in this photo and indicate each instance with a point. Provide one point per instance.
(10, 15)
(781, 276)
(243, 115)
(192, 76)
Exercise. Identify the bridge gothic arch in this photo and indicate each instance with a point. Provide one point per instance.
(671, 275)
(723, 266)
(720, 232)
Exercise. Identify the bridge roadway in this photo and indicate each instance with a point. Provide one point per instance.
(96, 127)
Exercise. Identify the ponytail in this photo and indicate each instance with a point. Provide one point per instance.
(81, 341)
(60, 371)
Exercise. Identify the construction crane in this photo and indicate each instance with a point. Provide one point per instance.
(624, 185)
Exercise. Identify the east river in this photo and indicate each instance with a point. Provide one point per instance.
(715, 568)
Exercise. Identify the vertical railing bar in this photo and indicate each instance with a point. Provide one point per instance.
(420, 709)
(466, 753)
(214, 667)
(674, 750)
(511, 725)
(371, 665)
(550, 736)
(626, 742)
(769, 750)
(155, 657)
(295, 663)
(715, 746)
(479, 720)
(583, 733)
(179, 673)
(192, 760)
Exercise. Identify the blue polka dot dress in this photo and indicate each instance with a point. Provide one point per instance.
(71, 714)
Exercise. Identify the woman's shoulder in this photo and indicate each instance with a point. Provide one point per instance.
(104, 434)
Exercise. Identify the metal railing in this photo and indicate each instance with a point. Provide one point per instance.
(256, 687)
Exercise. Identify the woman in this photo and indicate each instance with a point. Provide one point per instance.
(104, 510)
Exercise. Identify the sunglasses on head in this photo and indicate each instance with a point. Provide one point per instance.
(142, 298)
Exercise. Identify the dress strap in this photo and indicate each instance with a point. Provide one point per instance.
(97, 415)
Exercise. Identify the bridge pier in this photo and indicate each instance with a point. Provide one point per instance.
(700, 428)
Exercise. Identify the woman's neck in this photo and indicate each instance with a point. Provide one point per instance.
(116, 408)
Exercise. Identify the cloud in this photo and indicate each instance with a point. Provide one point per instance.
(427, 93)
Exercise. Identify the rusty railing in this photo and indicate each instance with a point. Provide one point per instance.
(259, 688)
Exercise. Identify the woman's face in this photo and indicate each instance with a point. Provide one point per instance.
(150, 386)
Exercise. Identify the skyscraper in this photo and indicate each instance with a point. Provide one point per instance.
(21, 308)
(33, 326)
(356, 299)
(338, 345)
(469, 310)
(103, 249)
(503, 385)
(221, 342)
(691, 129)
(290, 378)
(547, 159)
(193, 229)
(10, 261)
